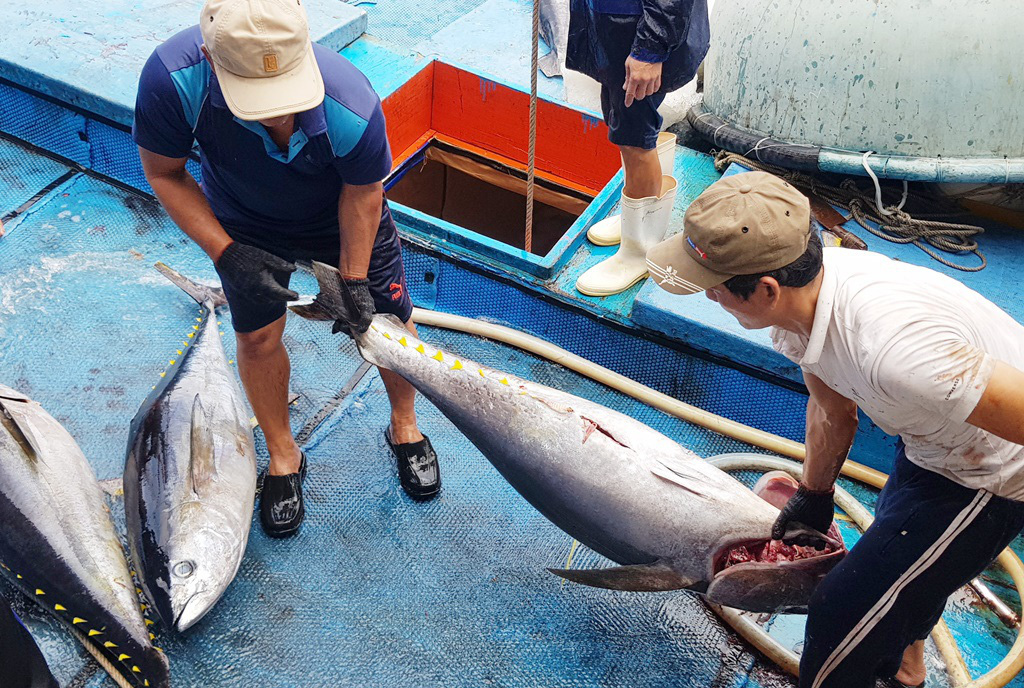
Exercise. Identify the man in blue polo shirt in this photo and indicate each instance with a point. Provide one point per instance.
(293, 148)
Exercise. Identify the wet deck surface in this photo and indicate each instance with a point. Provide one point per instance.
(377, 589)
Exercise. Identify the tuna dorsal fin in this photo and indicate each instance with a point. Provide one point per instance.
(200, 292)
(656, 577)
(201, 464)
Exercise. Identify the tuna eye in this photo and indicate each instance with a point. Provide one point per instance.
(184, 569)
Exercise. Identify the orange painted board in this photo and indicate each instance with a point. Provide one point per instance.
(495, 118)
(402, 156)
(407, 111)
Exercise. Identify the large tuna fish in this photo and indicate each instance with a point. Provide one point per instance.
(190, 473)
(58, 544)
(623, 489)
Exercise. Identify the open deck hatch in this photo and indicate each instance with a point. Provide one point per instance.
(460, 143)
(486, 196)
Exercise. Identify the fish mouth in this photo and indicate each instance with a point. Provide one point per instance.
(768, 552)
(191, 612)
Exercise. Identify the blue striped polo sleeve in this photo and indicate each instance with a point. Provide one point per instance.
(161, 121)
(361, 151)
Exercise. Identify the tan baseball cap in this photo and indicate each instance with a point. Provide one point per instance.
(743, 224)
(263, 56)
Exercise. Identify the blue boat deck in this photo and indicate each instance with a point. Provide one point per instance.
(378, 590)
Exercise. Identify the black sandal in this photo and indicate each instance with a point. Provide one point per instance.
(281, 503)
(418, 470)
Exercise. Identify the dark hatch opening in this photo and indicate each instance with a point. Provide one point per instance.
(485, 196)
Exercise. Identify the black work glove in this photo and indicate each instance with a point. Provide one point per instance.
(251, 270)
(356, 306)
(812, 509)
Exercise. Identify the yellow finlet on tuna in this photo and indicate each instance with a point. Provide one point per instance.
(438, 356)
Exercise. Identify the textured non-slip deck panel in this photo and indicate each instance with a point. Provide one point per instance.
(24, 174)
(89, 53)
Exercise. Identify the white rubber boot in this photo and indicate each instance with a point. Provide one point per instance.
(606, 232)
(644, 224)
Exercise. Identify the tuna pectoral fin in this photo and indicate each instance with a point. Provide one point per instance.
(201, 463)
(200, 292)
(654, 577)
(8, 393)
(17, 417)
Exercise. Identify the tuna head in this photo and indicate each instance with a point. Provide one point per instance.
(189, 578)
(756, 575)
(769, 575)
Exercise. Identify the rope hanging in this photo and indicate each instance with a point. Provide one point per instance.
(531, 160)
(895, 225)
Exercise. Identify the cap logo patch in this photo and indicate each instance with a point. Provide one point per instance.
(696, 248)
(270, 63)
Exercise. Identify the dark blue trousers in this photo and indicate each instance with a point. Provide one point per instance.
(930, 537)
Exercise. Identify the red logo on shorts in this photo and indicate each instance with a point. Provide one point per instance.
(396, 291)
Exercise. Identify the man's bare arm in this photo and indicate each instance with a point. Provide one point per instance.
(831, 427)
(184, 201)
(359, 208)
(1001, 408)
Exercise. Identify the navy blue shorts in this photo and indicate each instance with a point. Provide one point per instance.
(639, 124)
(386, 273)
(930, 537)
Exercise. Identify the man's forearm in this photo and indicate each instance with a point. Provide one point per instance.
(184, 201)
(359, 209)
(830, 434)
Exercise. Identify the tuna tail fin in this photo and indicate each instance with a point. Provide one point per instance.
(201, 466)
(329, 301)
(200, 292)
(549, 64)
(656, 577)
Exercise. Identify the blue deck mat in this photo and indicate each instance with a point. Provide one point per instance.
(23, 174)
(377, 590)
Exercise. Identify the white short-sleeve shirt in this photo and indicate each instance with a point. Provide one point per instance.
(915, 350)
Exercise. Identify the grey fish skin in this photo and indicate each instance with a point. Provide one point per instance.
(615, 484)
(58, 543)
(190, 474)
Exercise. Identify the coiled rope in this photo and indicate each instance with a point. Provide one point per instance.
(894, 224)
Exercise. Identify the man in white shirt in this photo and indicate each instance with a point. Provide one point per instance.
(926, 358)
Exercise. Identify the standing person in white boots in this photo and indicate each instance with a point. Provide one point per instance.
(638, 50)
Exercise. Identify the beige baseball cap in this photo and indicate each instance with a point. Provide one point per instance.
(263, 56)
(743, 224)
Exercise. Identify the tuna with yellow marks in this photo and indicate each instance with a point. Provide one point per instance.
(190, 475)
(671, 519)
(58, 542)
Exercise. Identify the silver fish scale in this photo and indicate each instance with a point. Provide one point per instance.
(589, 479)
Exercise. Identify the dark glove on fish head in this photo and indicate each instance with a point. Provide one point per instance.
(357, 307)
(250, 270)
(813, 509)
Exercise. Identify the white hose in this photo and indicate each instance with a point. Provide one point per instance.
(862, 518)
(1004, 672)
